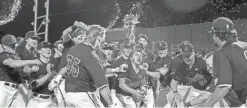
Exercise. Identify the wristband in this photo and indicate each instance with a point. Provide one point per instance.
(175, 91)
(58, 78)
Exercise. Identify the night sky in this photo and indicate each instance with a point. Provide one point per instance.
(153, 13)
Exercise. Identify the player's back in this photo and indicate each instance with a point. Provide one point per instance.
(238, 61)
(77, 76)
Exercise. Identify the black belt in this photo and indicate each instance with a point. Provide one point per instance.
(11, 84)
(43, 96)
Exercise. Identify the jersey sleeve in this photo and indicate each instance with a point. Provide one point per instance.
(96, 71)
(222, 69)
(3, 57)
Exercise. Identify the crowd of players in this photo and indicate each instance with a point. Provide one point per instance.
(84, 70)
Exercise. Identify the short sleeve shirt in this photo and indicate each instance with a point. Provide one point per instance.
(197, 75)
(7, 73)
(84, 73)
(134, 80)
(43, 89)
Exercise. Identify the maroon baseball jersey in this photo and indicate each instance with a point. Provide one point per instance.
(63, 61)
(116, 64)
(84, 73)
(148, 56)
(196, 76)
(41, 72)
(7, 73)
(133, 80)
(165, 80)
(25, 54)
(230, 67)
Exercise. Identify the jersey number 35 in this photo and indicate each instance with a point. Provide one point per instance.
(73, 65)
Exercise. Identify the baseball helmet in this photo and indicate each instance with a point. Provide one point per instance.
(221, 25)
(8, 40)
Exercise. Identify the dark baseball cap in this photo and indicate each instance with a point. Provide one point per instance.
(161, 45)
(222, 24)
(32, 34)
(186, 50)
(58, 42)
(8, 40)
(142, 36)
(44, 45)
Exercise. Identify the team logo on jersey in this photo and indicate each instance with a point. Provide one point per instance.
(35, 68)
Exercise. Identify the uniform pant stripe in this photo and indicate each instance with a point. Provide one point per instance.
(94, 99)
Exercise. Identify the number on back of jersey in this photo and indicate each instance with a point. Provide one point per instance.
(73, 65)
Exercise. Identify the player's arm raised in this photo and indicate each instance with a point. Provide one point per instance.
(221, 66)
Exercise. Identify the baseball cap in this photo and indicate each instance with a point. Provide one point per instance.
(8, 40)
(161, 45)
(186, 49)
(44, 45)
(31, 34)
(58, 42)
(222, 24)
(142, 36)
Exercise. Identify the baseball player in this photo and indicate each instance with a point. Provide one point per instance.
(85, 75)
(161, 66)
(40, 78)
(10, 69)
(192, 72)
(229, 64)
(119, 65)
(73, 36)
(134, 82)
(141, 44)
(148, 57)
(56, 55)
(27, 51)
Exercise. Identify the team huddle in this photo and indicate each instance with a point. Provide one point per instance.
(82, 69)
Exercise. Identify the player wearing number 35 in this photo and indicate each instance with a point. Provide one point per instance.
(229, 63)
(84, 74)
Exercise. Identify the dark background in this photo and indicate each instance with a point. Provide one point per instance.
(155, 13)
